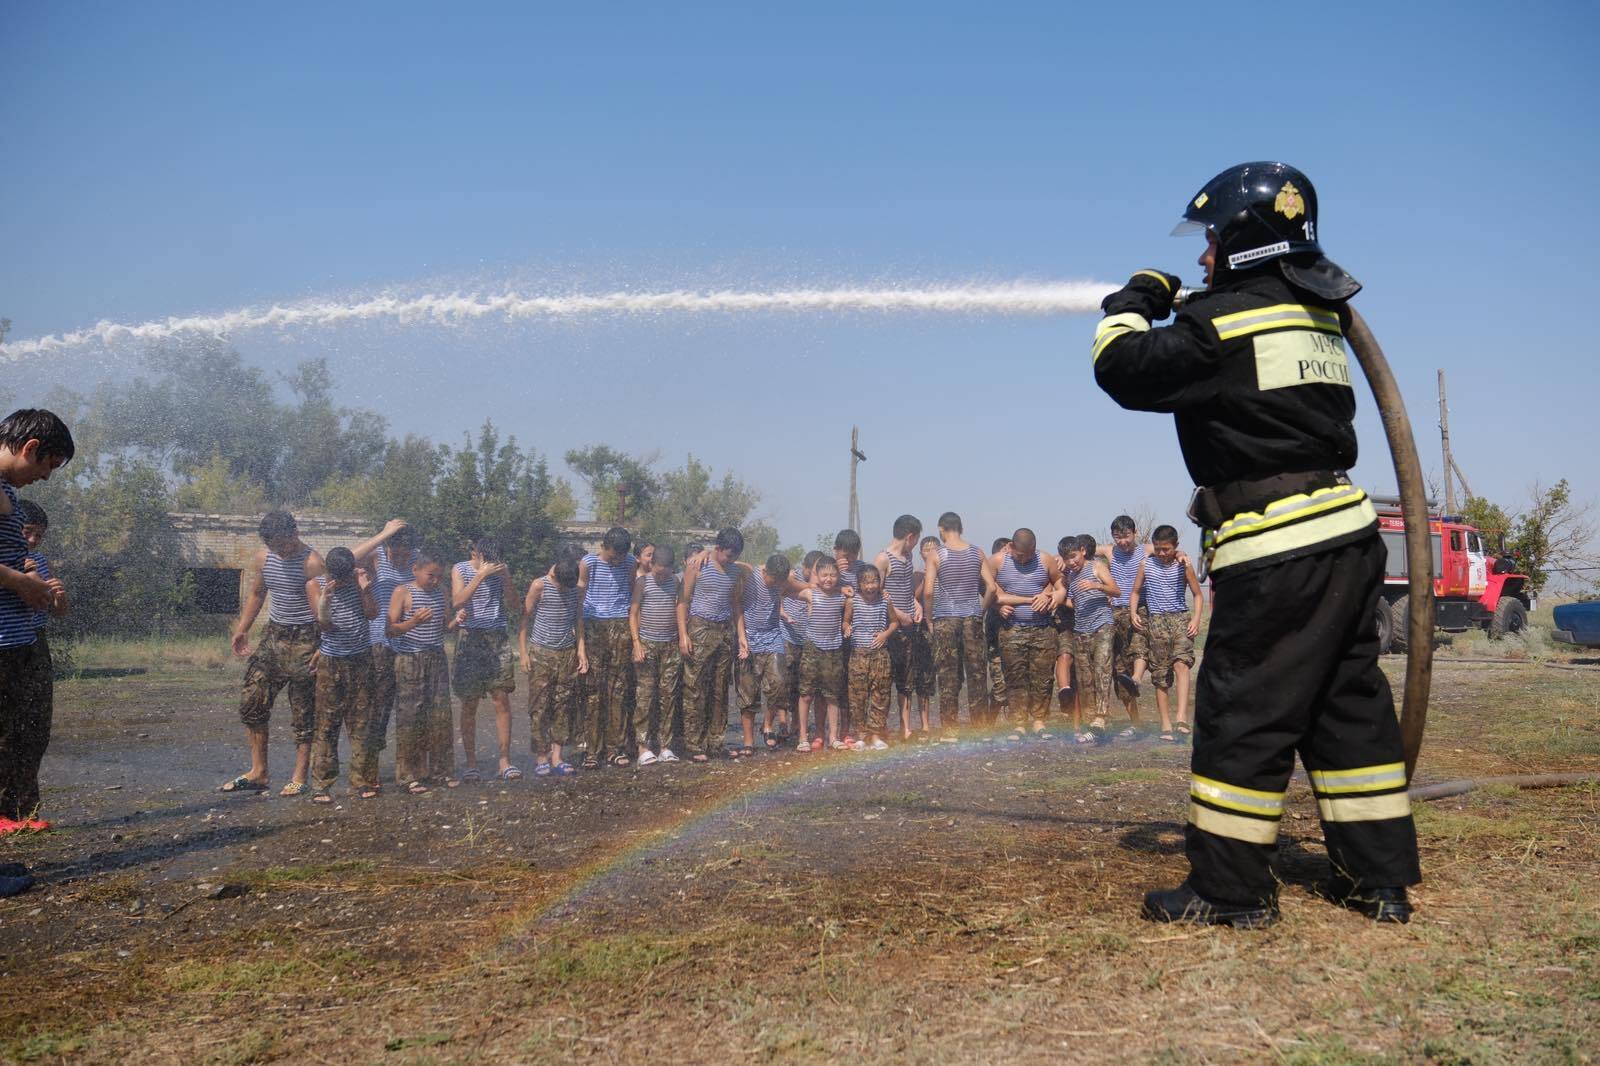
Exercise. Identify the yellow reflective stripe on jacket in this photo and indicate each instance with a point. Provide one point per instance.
(1236, 797)
(1365, 808)
(1113, 326)
(1290, 509)
(1278, 316)
(1302, 534)
(1165, 284)
(1362, 779)
(1233, 826)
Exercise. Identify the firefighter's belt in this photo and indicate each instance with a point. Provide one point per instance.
(1213, 505)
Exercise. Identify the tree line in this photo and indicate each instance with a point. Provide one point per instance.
(199, 429)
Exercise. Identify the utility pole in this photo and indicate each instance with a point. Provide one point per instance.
(856, 456)
(1449, 462)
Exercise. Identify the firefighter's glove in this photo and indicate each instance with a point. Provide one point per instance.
(1149, 293)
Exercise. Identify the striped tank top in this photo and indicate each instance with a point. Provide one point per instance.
(710, 600)
(1166, 588)
(1091, 608)
(610, 590)
(658, 611)
(16, 617)
(867, 620)
(899, 584)
(1027, 580)
(41, 568)
(555, 619)
(850, 575)
(1124, 568)
(286, 585)
(486, 609)
(429, 634)
(389, 578)
(794, 632)
(825, 620)
(350, 635)
(760, 604)
(958, 591)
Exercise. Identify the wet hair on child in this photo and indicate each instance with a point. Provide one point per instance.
(1164, 535)
(341, 563)
(489, 549)
(32, 514)
(730, 539)
(848, 540)
(276, 525)
(907, 525)
(1122, 524)
(617, 539)
(663, 556)
(566, 573)
(810, 562)
(778, 566)
(33, 423)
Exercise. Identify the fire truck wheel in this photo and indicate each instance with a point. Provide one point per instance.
(1399, 618)
(1509, 617)
(1385, 628)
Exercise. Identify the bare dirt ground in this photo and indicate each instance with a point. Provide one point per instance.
(933, 904)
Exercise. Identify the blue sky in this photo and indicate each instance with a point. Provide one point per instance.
(165, 159)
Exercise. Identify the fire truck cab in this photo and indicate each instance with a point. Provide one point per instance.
(1468, 593)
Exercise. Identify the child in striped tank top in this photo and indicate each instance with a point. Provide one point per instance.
(390, 565)
(606, 579)
(1172, 624)
(484, 665)
(895, 565)
(871, 621)
(1124, 555)
(792, 610)
(343, 604)
(706, 637)
(760, 670)
(822, 657)
(419, 617)
(554, 663)
(657, 658)
(1090, 584)
(960, 582)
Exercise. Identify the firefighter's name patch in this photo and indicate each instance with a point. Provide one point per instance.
(1300, 357)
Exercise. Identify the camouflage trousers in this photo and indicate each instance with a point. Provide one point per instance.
(609, 647)
(424, 741)
(382, 695)
(1131, 643)
(870, 686)
(763, 676)
(1028, 657)
(1170, 644)
(707, 676)
(484, 663)
(958, 652)
(344, 699)
(791, 663)
(282, 658)
(822, 673)
(1093, 655)
(658, 694)
(27, 695)
(999, 684)
(552, 695)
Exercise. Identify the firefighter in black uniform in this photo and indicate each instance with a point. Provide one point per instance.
(1255, 372)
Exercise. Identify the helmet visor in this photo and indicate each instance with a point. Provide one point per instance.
(1187, 227)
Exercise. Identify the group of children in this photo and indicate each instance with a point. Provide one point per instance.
(635, 661)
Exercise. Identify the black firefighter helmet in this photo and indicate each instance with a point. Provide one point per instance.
(1266, 213)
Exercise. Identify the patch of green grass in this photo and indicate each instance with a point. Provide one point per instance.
(602, 960)
(253, 1045)
(401, 1043)
(277, 972)
(1443, 823)
(46, 1045)
(1330, 1051)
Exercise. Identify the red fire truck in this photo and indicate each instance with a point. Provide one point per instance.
(1473, 586)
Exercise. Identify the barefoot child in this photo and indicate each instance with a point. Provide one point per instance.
(419, 617)
(552, 613)
(822, 657)
(657, 658)
(483, 664)
(344, 606)
(871, 621)
(1171, 626)
(762, 672)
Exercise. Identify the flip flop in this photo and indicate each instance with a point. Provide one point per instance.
(294, 788)
(472, 776)
(243, 784)
(321, 797)
(542, 770)
(1169, 737)
(368, 793)
(565, 769)
(417, 788)
(510, 773)
(769, 738)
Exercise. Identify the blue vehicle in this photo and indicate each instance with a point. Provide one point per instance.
(1579, 623)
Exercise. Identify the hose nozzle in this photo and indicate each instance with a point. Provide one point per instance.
(1182, 297)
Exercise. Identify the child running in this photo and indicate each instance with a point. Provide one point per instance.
(344, 606)
(419, 617)
(870, 621)
(657, 657)
(484, 664)
(706, 607)
(1090, 584)
(1171, 626)
(553, 664)
(822, 657)
(761, 670)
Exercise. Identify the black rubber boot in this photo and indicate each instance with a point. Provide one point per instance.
(1184, 904)
(1386, 904)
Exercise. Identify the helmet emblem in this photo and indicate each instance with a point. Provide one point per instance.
(1289, 204)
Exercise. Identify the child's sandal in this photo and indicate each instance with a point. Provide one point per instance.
(417, 788)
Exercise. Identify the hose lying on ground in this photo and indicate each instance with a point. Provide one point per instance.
(1445, 789)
